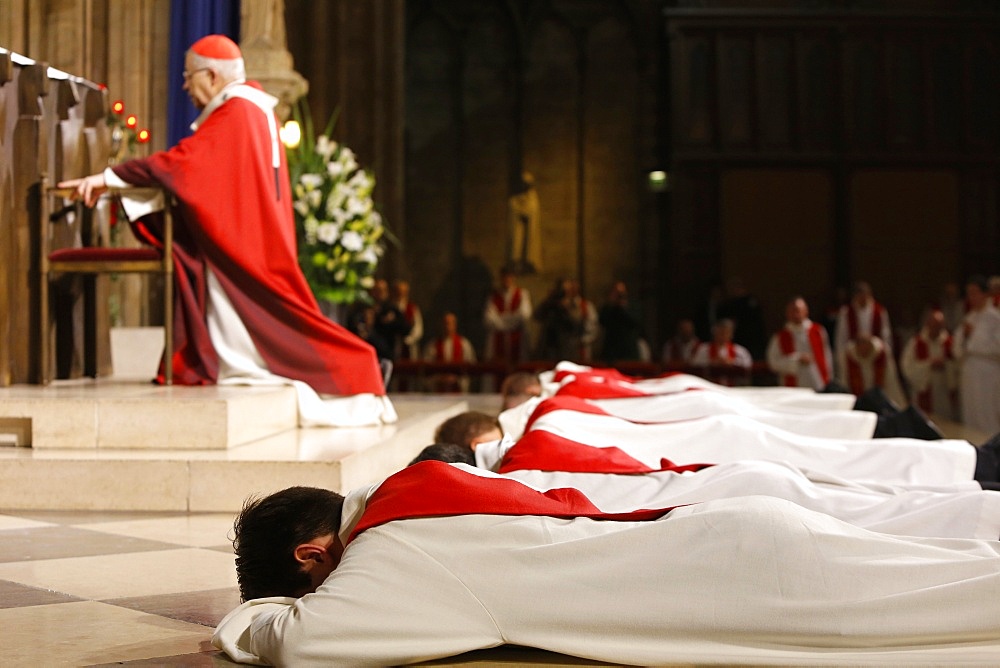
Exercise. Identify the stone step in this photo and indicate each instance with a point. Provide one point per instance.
(108, 414)
(119, 446)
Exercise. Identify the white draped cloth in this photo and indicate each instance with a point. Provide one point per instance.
(962, 510)
(747, 580)
(727, 438)
(565, 373)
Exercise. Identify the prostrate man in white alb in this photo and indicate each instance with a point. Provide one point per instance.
(727, 438)
(444, 561)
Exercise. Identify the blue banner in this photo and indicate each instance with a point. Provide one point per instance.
(191, 20)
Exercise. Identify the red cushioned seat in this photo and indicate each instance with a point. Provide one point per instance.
(97, 254)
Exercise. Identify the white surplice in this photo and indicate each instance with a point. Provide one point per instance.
(747, 580)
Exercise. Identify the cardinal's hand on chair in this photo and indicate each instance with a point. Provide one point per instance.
(88, 188)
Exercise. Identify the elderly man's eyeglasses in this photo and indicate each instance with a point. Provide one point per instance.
(187, 75)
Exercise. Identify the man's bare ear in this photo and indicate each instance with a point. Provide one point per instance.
(309, 553)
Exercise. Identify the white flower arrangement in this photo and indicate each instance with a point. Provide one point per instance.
(340, 234)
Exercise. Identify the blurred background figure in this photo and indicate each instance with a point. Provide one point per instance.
(799, 353)
(453, 348)
(929, 367)
(620, 329)
(977, 344)
(681, 346)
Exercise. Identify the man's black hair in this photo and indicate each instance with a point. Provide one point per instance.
(446, 452)
(980, 281)
(268, 530)
(461, 429)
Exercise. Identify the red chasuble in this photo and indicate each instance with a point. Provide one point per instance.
(234, 215)
(436, 489)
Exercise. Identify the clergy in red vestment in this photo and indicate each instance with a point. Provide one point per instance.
(800, 351)
(930, 368)
(450, 347)
(506, 315)
(244, 311)
(721, 359)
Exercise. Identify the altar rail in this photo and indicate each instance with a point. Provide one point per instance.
(55, 126)
(413, 376)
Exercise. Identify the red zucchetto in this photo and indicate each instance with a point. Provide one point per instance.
(219, 47)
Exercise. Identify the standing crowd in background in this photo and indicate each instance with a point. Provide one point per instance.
(948, 367)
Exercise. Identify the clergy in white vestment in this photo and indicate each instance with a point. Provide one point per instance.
(867, 362)
(962, 510)
(723, 355)
(450, 347)
(506, 315)
(977, 343)
(725, 438)
(799, 353)
(443, 560)
(593, 383)
(930, 368)
(862, 316)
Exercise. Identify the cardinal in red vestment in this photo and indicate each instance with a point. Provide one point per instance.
(244, 309)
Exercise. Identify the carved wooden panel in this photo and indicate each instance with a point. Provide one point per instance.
(776, 70)
(817, 85)
(882, 104)
(736, 83)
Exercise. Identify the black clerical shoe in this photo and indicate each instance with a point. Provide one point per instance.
(920, 425)
(992, 444)
(911, 423)
(988, 464)
(874, 400)
(833, 387)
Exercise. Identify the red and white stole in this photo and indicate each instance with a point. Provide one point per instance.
(729, 352)
(922, 352)
(507, 345)
(855, 374)
(852, 321)
(541, 450)
(786, 341)
(449, 349)
(409, 312)
(436, 489)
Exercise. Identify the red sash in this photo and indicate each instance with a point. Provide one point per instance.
(507, 345)
(436, 489)
(852, 321)
(410, 312)
(922, 352)
(855, 378)
(787, 343)
(457, 352)
(541, 450)
(713, 352)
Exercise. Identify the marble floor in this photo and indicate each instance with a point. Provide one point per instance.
(88, 588)
(105, 559)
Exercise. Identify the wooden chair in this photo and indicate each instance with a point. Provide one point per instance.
(93, 260)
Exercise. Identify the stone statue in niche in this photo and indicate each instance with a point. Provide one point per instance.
(524, 218)
(263, 42)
